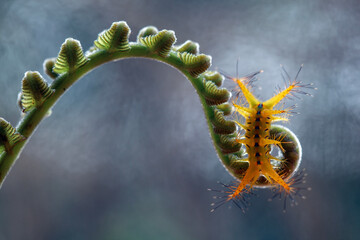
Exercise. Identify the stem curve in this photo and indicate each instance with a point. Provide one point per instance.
(72, 64)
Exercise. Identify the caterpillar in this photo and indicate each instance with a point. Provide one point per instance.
(261, 166)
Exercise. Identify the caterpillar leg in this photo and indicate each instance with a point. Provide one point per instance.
(269, 172)
(239, 192)
(251, 175)
(277, 159)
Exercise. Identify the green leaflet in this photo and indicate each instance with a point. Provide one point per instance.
(115, 38)
(161, 43)
(215, 95)
(195, 64)
(215, 77)
(8, 136)
(228, 144)
(226, 108)
(70, 58)
(34, 91)
(147, 31)
(189, 47)
(221, 125)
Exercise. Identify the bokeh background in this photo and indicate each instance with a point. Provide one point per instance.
(126, 153)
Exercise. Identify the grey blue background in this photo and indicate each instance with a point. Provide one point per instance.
(126, 153)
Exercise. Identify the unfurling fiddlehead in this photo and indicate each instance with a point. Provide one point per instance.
(37, 97)
(34, 91)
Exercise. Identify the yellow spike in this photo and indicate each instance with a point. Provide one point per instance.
(277, 119)
(268, 178)
(268, 171)
(243, 111)
(256, 177)
(265, 141)
(244, 141)
(250, 174)
(277, 159)
(274, 112)
(251, 99)
(272, 102)
(240, 124)
(245, 160)
(278, 143)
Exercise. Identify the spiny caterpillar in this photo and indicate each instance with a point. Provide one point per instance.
(261, 167)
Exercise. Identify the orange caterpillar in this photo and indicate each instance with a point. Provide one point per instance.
(257, 138)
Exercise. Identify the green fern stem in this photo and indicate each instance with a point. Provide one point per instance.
(63, 82)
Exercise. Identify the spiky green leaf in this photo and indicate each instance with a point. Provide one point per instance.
(161, 43)
(34, 92)
(115, 38)
(189, 47)
(8, 136)
(70, 57)
(195, 64)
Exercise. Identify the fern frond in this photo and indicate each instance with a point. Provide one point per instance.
(221, 125)
(215, 77)
(226, 108)
(195, 64)
(115, 38)
(147, 31)
(228, 144)
(161, 43)
(70, 58)
(34, 91)
(189, 47)
(8, 136)
(214, 95)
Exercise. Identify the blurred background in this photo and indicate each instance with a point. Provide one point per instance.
(127, 154)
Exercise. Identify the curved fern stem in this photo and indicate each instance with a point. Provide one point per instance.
(71, 64)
